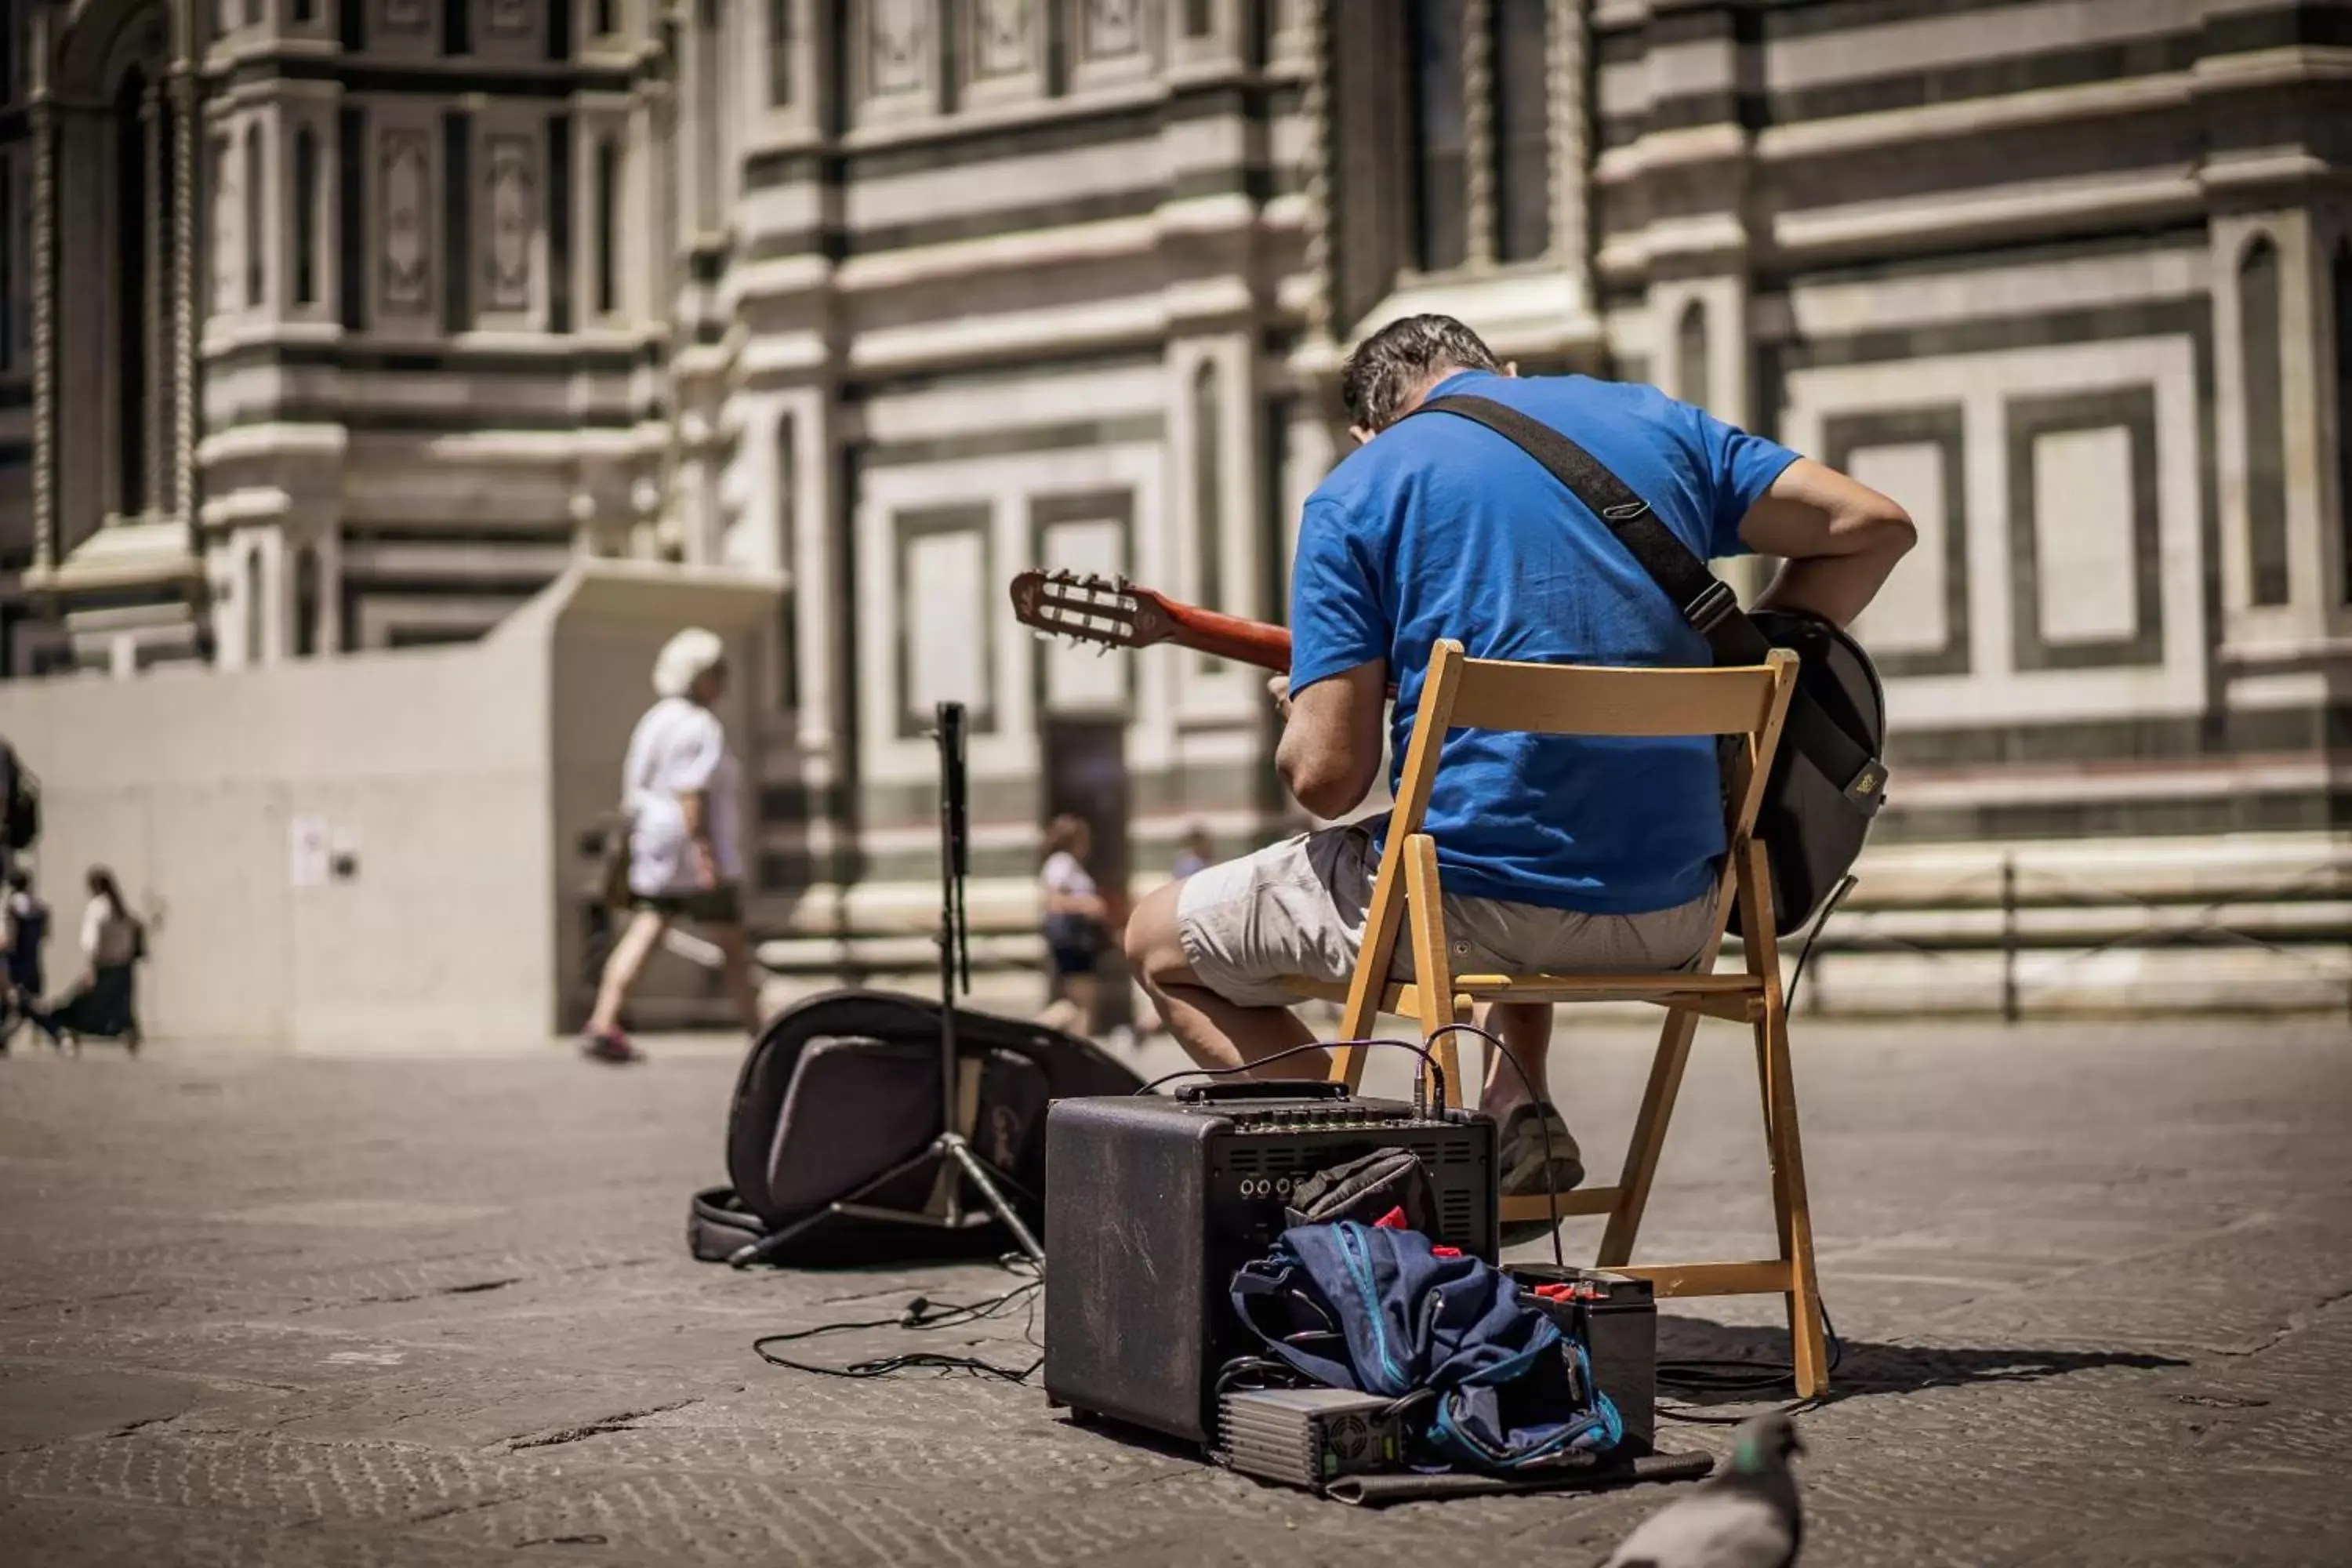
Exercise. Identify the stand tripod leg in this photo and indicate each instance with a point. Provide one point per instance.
(953, 1145)
(768, 1245)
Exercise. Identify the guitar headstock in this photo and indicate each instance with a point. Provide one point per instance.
(1111, 612)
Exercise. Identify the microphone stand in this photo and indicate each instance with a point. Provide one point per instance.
(957, 1164)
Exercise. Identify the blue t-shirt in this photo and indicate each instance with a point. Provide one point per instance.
(1440, 527)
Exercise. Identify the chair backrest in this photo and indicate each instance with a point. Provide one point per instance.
(1465, 693)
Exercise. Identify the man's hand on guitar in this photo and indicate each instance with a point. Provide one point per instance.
(1279, 687)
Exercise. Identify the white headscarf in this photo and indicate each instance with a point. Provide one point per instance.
(685, 660)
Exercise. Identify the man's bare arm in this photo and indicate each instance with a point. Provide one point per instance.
(1331, 751)
(1838, 541)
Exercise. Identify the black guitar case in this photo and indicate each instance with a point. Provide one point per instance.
(844, 1086)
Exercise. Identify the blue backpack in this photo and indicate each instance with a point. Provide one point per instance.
(1382, 1310)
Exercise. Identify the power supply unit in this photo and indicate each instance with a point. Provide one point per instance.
(1308, 1436)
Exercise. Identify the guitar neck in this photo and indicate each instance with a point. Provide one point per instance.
(1229, 636)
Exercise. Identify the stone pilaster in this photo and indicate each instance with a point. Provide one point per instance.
(1570, 177)
(1478, 129)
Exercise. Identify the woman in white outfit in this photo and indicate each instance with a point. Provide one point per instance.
(681, 791)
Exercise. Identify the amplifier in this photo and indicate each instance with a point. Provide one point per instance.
(1151, 1203)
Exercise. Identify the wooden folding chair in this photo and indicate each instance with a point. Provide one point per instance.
(1460, 692)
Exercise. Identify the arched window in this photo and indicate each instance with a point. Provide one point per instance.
(1440, 135)
(1208, 487)
(1522, 135)
(256, 219)
(306, 216)
(306, 602)
(1690, 354)
(255, 622)
(2265, 413)
(2341, 278)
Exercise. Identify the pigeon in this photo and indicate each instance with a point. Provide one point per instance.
(1743, 1516)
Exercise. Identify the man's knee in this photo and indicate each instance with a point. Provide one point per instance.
(1155, 952)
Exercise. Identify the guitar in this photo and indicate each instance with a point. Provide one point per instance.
(1112, 612)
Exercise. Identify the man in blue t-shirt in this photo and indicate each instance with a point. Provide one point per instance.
(1556, 853)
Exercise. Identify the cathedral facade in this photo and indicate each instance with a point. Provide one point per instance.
(334, 327)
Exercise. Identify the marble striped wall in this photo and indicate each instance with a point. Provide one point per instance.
(1989, 255)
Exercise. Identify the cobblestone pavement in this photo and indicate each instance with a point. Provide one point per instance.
(2096, 1285)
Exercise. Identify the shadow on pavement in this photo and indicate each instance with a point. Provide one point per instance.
(1742, 1363)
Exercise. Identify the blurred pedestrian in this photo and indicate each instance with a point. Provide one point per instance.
(103, 1001)
(1076, 925)
(24, 919)
(1195, 856)
(681, 794)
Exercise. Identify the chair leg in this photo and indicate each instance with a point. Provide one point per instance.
(1360, 1020)
(1649, 1138)
(1433, 964)
(1805, 1326)
(1777, 1079)
(1781, 1218)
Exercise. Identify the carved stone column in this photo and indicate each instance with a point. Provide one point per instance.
(154, 130)
(1478, 129)
(1316, 102)
(184, 293)
(663, 201)
(44, 312)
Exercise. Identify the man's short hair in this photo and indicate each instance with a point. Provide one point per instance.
(1400, 359)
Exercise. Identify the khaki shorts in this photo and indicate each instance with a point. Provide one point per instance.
(1295, 910)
